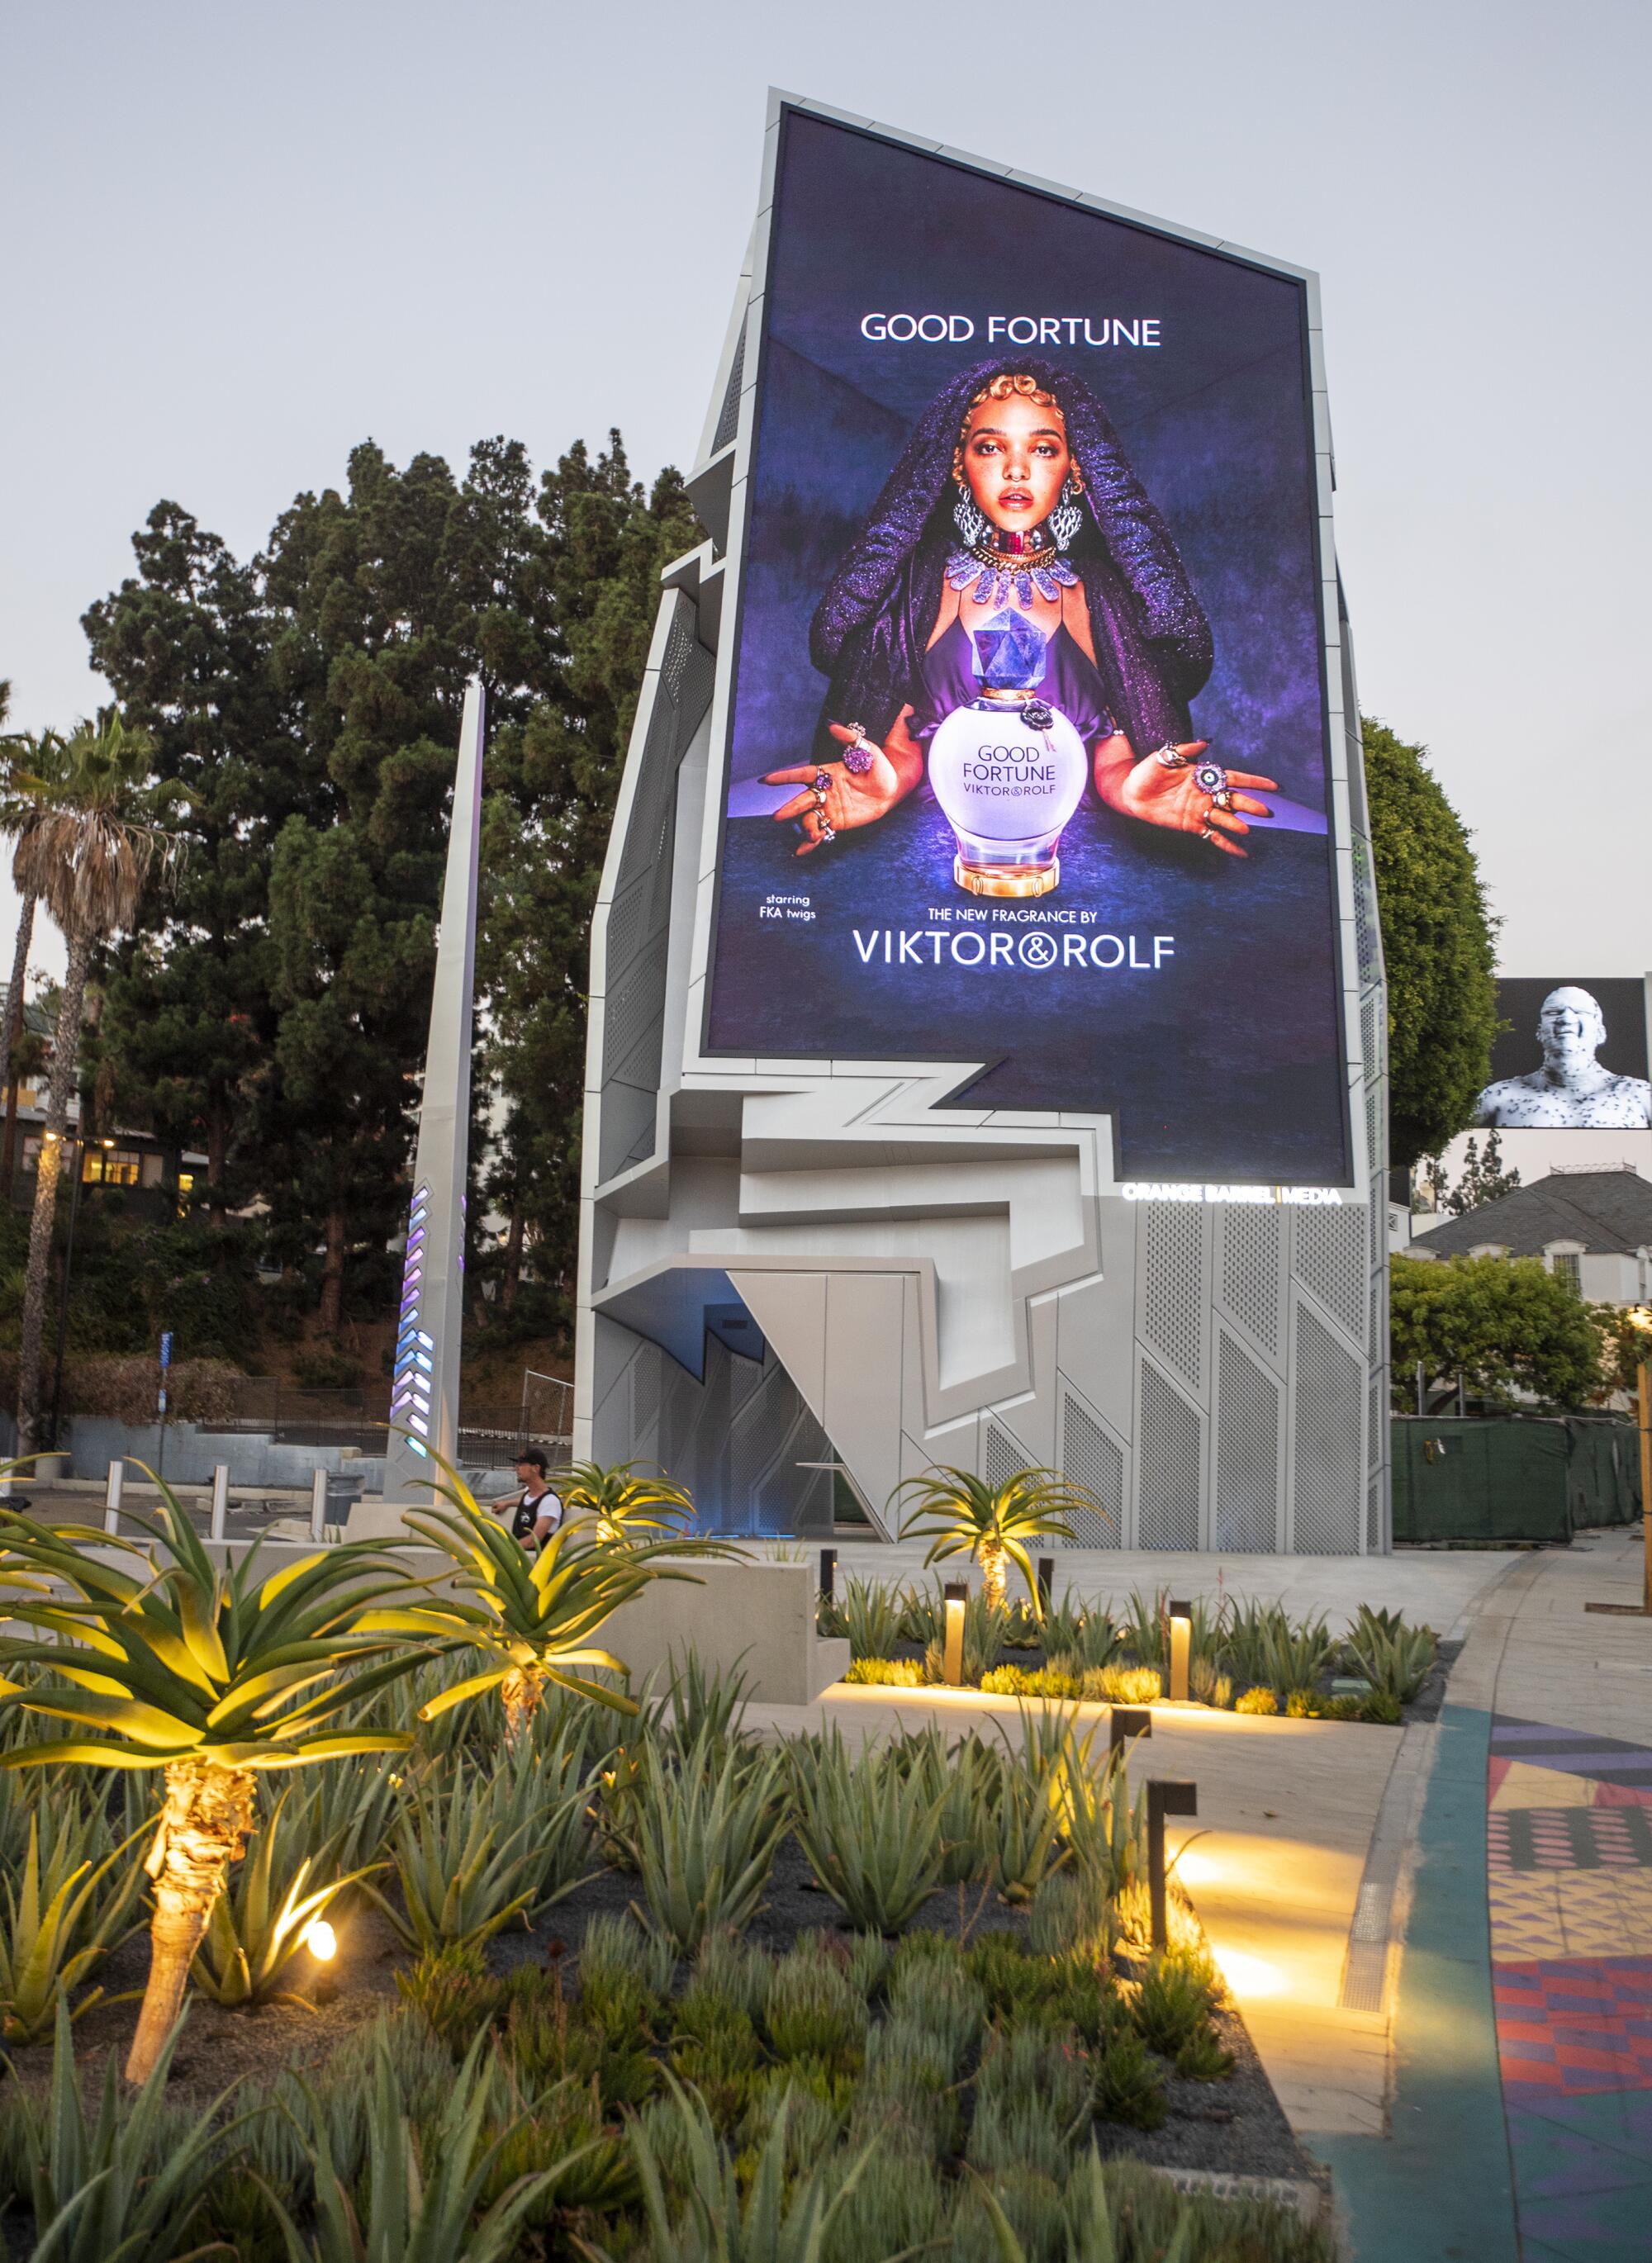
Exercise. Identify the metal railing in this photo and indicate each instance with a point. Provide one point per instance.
(292, 1416)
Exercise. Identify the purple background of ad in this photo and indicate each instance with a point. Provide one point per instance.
(1228, 1062)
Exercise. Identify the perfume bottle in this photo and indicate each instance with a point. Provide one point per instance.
(1008, 770)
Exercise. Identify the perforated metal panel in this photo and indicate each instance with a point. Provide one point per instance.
(1329, 1476)
(1173, 1283)
(638, 919)
(1374, 1422)
(1331, 1260)
(729, 414)
(1370, 1034)
(1170, 1461)
(1376, 1521)
(1248, 1489)
(1000, 1457)
(1091, 1459)
(1366, 913)
(1251, 1279)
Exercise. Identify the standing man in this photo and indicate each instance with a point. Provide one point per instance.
(536, 1511)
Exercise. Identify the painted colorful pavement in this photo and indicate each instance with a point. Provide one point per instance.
(1568, 1868)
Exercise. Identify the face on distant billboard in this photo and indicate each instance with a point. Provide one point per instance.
(1573, 1058)
(1027, 747)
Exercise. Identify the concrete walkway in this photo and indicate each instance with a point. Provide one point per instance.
(1441, 1939)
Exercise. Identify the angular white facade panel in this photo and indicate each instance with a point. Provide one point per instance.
(831, 1214)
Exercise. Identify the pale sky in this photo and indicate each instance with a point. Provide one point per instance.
(238, 240)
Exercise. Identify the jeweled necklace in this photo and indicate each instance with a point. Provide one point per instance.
(1022, 564)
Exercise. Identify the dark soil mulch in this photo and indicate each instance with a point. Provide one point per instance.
(1234, 2126)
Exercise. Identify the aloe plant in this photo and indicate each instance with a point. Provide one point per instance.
(258, 1923)
(209, 1675)
(1025, 1844)
(968, 1516)
(65, 1910)
(469, 1857)
(1396, 1660)
(123, 2184)
(781, 2219)
(703, 1839)
(416, 2201)
(871, 1615)
(872, 1835)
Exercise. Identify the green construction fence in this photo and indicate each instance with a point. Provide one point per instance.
(1499, 1478)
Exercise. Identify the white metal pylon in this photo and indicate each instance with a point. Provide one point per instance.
(430, 1321)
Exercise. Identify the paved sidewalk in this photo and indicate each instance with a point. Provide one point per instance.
(1520, 2116)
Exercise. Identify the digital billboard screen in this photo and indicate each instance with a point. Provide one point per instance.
(1027, 745)
(1571, 1056)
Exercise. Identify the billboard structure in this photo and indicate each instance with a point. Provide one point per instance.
(1571, 1055)
(985, 1061)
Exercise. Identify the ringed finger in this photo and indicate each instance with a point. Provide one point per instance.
(1221, 841)
(1228, 821)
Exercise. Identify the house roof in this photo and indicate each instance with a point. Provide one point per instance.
(1608, 1212)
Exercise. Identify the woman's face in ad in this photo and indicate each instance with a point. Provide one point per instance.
(1015, 460)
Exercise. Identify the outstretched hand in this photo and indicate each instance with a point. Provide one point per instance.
(1174, 798)
(845, 799)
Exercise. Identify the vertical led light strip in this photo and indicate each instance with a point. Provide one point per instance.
(415, 1345)
(431, 1319)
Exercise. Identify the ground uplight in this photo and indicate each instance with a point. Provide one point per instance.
(322, 1942)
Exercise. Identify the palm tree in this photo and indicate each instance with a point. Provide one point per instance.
(211, 1675)
(86, 856)
(624, 1505)
(30, 765)
(970, 1516)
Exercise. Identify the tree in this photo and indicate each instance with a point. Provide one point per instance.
(1438, 946)
(187, 646)
(531, 1617)
(1508, 1325)
(213, 1676)
(1483, 1181)
(87, 859)
(553, 782)
(969, 1516)
(31, 766)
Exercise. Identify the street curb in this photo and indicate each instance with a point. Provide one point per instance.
(1438, 2188)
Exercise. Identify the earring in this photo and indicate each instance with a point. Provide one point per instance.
(969, 518)
(1067, 518)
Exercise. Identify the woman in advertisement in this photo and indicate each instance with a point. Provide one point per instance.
(1013, 561)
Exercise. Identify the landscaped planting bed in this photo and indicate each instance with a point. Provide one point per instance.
(645, 1988)
(1246, 1657)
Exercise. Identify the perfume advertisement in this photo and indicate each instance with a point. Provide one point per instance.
(1027, 746)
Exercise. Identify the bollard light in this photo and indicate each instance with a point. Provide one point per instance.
(1128, 1721)
(220, 1499)
(1046, 1581)
(1181, 1618)
(955, 1595)
(828, 1572)
(318, 1505)
(322, 1942)
(111, 1496)
(1166, 1798)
